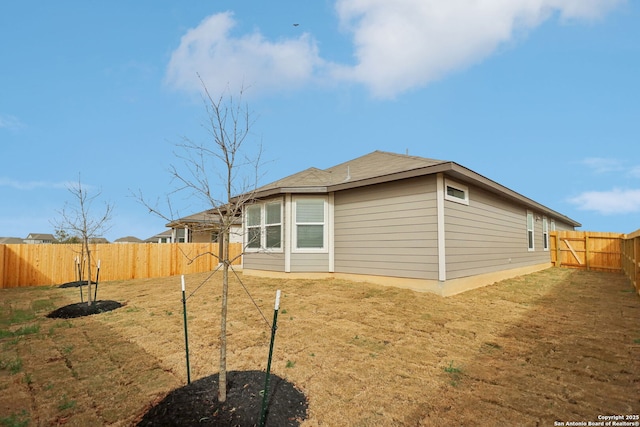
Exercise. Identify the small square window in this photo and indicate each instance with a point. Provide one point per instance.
(456, 192)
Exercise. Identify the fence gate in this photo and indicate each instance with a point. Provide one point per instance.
(587, 249)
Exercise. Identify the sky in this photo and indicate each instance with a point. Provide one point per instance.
(542, 96)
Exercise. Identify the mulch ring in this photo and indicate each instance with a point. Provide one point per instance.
(81, 309)
(197, 403)
(76, 284)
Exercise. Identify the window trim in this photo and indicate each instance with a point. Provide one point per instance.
(262, 227)
(545, 234)
(448, 183)
(325, 226)
(531, 235)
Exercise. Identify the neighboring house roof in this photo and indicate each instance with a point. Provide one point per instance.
(40, 236)
(10, 240)
(128, 239)
(379, 167)
(98, 240)
(209, 219)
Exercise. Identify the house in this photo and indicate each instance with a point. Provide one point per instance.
(164, 237)
(412, 222)
(202, 227)
(39, 238)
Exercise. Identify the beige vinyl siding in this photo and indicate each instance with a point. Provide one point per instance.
(490, 234)
(263, 261)
(388, 230)
(309, 262)
(561, 226)
(201, 237)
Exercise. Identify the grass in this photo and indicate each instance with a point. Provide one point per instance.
(66, 403)
(521, 349)
(20, 419)
(13, 316)
(12, 365)
(452, 369)
(455, 373)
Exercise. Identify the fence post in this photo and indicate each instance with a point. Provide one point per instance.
(586, 250)
(558, 260)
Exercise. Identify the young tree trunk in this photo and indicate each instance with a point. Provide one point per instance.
(222, 378)
(89, 296)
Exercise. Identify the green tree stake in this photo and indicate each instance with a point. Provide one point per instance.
(186, 335)
(263, 414)
(95, 293)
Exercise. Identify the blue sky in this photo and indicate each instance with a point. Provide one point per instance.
(542, 96)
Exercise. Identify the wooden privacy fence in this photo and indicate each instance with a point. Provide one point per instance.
(587, 249)
(31, 265)
(631, 258)
(611, 252)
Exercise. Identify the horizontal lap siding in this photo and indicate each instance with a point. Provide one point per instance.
(388, 230)
(263, 261)
(309, 262)
(490, 234)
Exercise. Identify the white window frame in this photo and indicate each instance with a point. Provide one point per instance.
(448, 183)
(325, 226)
(545, 233)
(531, 235)
(263, 227)
(247, 227)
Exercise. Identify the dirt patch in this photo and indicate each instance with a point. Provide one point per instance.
(558, 345)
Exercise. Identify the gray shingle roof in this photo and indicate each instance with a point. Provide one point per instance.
(372, 165)
(380, 166)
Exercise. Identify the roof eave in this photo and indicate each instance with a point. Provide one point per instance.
(490, 185)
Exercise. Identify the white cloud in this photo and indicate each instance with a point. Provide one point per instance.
(248, 61)
(35, 185)
(403, 44)
(398, 45)
(10, 122)
(616, 201)
(603, 165)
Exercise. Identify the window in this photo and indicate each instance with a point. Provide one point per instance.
(263, 224)
(545, 234)
(253, 226)
(456, 192)
(530, 231)
(310, 230)
(273, 225)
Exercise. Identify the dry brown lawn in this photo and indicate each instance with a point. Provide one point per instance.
(558, 345)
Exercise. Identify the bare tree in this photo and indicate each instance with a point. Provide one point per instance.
(77, 220)
(223, 174)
